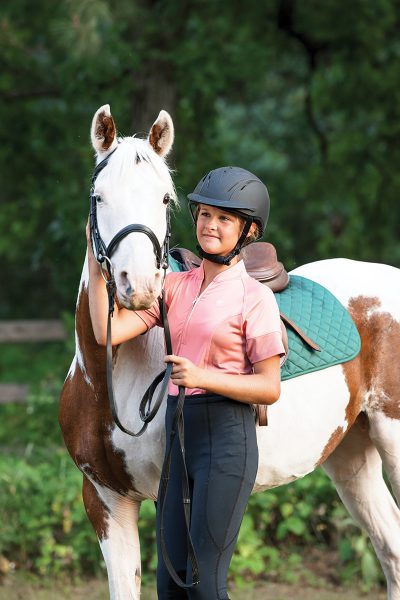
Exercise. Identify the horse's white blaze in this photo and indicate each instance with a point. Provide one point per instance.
(296, 436)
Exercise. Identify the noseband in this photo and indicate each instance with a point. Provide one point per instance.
(103, 256)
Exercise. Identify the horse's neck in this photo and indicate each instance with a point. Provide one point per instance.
(136, 362)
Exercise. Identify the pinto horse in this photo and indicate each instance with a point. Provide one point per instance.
(345, 418)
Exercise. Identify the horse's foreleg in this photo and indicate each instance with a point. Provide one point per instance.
(114, 518)
(355, 468)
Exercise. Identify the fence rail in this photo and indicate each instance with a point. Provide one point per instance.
(22, 331)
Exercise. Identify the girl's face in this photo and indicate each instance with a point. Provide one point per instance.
(217, 230)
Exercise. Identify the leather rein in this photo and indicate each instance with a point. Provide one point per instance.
(147, 412)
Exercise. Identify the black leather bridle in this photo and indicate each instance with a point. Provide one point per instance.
(103, 256)
(147, 412)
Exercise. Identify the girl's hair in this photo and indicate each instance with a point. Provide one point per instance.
(250, 238)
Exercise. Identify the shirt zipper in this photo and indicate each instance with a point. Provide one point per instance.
(194, 303)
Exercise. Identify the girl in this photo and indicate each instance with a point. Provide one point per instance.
(226, 336)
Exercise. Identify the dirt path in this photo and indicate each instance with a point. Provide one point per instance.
(17, 589)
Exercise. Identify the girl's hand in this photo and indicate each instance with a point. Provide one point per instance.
(184, 372)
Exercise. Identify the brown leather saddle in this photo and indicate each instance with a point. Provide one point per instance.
(262, 263)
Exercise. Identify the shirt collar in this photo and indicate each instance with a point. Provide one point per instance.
(234, 272)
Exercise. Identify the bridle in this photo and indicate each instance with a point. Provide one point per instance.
(103, 256)
(102, 252)
(147, 413)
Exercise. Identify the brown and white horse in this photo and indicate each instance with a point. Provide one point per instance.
(345, 418)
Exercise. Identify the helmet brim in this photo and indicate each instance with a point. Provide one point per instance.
(230, 205)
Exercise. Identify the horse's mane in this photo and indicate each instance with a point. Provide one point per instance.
(133, 151)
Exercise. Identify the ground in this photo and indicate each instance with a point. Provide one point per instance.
(14, 588)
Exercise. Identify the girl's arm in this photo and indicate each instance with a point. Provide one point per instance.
(125, 323)
(261, 387)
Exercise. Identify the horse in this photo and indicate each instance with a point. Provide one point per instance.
(345, 418)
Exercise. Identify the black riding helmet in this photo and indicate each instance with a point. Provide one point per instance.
(235, 190)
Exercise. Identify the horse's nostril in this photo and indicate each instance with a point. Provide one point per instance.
(126, 283)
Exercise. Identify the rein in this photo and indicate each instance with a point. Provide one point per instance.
(146, 411)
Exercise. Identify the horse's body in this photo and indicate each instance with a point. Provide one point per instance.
(345, 418)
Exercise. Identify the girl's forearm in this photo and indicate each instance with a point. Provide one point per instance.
(98, 300)
(254, 388)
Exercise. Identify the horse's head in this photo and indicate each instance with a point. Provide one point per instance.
(134, 188)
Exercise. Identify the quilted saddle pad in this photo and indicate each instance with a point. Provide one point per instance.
(323, 319)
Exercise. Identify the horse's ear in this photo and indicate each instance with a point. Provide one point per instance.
(161, 136)
(103, 132)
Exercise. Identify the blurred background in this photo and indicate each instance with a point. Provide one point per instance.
(304, 94)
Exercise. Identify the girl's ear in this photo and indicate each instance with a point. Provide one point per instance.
(252, 230)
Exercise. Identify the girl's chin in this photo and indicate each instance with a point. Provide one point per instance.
(211, 248)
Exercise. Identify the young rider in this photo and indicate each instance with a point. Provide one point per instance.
(227, 344)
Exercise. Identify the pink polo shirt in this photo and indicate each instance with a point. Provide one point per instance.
(233, 324)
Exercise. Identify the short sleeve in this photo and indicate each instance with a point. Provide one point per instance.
(151, 316)
(263, 326)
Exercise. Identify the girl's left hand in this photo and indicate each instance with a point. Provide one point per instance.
(184, 372)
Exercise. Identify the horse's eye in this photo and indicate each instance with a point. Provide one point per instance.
(166, 199)
(98, 199)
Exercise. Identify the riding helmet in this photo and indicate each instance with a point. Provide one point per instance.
(236, 190)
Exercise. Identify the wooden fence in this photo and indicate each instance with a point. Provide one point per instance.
(23, 332)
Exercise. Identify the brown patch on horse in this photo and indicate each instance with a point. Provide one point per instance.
(331, 444)
(105, 130)
(85, 417)
(95, 509)
(373, 374)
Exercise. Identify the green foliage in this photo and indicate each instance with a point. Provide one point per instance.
(43, 524)
(284, 529)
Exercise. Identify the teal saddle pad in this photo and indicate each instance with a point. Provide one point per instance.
(323, 319)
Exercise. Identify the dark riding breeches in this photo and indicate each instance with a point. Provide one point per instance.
(221, 458)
